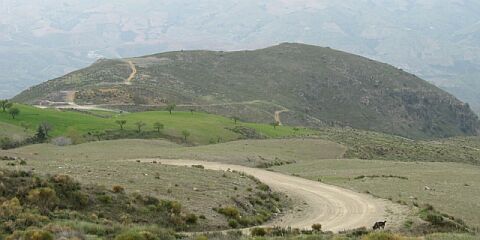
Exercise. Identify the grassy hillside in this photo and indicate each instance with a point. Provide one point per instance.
(203, 128)
(319, 86)
(158, 201)
(454, 187)
(13, 131)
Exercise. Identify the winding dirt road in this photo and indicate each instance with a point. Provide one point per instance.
(335, 208)
(128, 81)
(277, 116)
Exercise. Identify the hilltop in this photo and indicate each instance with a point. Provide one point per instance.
(307, 85)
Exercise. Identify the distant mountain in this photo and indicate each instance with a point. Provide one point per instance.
(437, 40)
(302, 84)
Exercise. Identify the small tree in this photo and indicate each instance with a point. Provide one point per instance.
(235, 119)
(171, 107)
(140, 125)
(40, 135)
(159, 126)
(121, 123)
(14, 112)
(185, 134)
(5, 104)
(275, 124)
(47, 127)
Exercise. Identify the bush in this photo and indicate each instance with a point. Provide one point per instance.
(233, 223)
(230, 211)
(118, 189)
(317, 227)
(37, 235)
(434, 219)
(258, 232)
(65, 184)
(191, 218)
(45, 198)
(10, 208)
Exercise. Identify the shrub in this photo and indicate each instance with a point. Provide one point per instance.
(191, 218)
(230, 211)
(317, 227)
(65, 184)
(233, 223)
(118, 189)
(37, 235)
(258, 232)
(10, 208)
(434, 218)
(45, 198)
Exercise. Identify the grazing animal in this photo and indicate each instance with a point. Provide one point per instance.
(379, 225)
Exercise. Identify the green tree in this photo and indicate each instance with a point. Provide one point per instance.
(121, 123)
(171, 107)
(159, 126)
(40, 135)
(13, 111)
(140, 125)
(5, 104)
(235, 119)
(185, 134)
(47, 127)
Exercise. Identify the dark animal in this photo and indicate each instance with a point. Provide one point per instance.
(379, 225)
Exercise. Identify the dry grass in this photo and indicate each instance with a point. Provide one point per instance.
(197, 189)
(455, 187)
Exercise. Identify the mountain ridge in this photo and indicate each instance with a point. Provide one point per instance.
(318, 86)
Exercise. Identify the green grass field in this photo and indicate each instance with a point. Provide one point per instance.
(203, 127)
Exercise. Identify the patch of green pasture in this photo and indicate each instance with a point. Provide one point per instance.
(203, 127)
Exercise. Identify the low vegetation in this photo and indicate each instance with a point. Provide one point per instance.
(48, 207)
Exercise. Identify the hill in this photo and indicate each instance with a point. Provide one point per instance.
(306, 85)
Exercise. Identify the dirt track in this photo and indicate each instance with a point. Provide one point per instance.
(334, 207)
(128, 81)
(277, 116)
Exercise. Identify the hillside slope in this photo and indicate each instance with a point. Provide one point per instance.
(315, 86)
